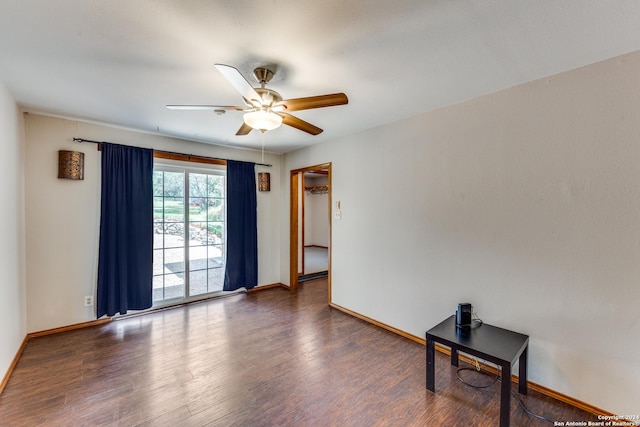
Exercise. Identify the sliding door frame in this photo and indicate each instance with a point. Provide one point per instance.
(187, 168)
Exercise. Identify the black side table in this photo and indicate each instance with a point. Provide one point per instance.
(491, 343)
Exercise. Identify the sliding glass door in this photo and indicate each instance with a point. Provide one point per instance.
(189, 233)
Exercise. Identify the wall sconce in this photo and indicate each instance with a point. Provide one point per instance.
(264, 181)
(70, 165)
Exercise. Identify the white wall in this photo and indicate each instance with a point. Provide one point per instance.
(62, 216)
(316, 221)
(525, 202)
(13, 307)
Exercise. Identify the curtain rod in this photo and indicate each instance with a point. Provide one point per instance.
(171, 152)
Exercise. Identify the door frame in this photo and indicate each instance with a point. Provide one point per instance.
(294, 224)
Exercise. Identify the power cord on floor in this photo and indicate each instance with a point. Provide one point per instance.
(528, 412)
(496, 379)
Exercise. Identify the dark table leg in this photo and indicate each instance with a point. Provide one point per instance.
(522, 372)
(505, 395)
(431, 372)
(454, 356)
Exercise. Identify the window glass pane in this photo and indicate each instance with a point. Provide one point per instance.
(197, 233)
(198, 258)
(173, 286)
(158, 288)
(215, 279)
(174, 260)
(158, 178)
(173, 184)
(173, 235)
(158, 208)
(215, 186)
(158, 266)
(198, 282)
(174, 209)
(158, 237)
(216, 230)
(197, 209)
(214, 256)
(215, 212)
(197, 185)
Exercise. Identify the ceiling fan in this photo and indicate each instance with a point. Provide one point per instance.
(264, 108)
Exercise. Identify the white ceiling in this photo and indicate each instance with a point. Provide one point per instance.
(121, 61)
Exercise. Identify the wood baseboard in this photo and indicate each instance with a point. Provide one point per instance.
(265, 287)
(68, 328)
(568, 400)
(380, 324)
(533, 386)
(13, 364)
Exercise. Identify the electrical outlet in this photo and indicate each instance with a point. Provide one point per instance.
(88, 301)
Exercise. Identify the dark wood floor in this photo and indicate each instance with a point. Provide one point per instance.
(270, 358)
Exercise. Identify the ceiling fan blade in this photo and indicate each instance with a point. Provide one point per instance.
(244, 129)
(320, 101)
(207, 107)
(238, 81)
(300, 124)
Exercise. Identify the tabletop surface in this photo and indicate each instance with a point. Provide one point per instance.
(491, 340)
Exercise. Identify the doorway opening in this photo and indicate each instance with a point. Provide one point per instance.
(310, 224)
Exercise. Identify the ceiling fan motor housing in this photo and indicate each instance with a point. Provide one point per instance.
(269, 97)
(263, 75)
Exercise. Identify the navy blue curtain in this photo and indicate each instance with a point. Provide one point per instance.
(242, 229)
(125, 262)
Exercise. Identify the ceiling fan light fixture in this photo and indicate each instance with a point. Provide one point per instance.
(262, 119)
